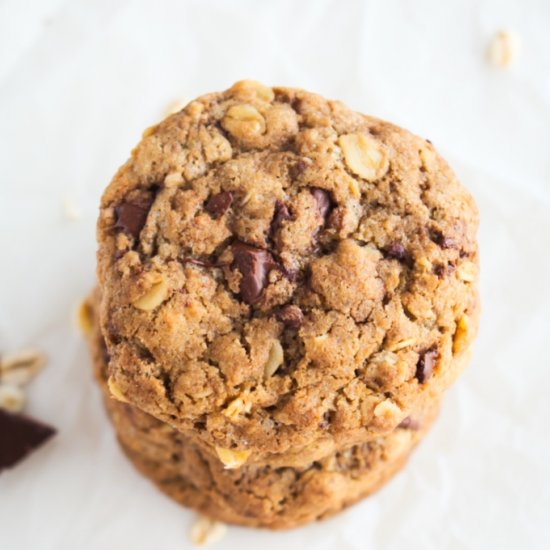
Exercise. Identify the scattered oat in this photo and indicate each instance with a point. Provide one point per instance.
(21, 368)
(85, 317)
(12, 398)
(504, 48)
(207, 531)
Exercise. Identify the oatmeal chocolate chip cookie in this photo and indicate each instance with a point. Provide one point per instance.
(298, 457)
(278, 271)
(267, 495)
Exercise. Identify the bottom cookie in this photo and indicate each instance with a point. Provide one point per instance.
(255, 495)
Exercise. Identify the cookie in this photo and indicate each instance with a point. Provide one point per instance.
(258, 496)
(281, 273)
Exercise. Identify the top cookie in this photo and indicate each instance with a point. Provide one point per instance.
(277, 271)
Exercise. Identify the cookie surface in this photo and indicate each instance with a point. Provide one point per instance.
(258, 496)
(279, 272)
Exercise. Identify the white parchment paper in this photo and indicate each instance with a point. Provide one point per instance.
(79, 80)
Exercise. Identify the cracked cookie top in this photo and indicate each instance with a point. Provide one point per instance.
(277, 270)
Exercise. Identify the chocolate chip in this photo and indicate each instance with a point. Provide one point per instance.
(297, 104)
(297, 169)
(291, 316)
(425, 365)
(441, 270)
(322, 198)
(20, 437)
(409, 423)
(396, 250)
(131, 214)
(441, 240)
(254, 265)
(326, 420)
(218, 204)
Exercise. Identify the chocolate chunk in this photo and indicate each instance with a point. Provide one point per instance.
(425, 365)
(396, 250)
(20, 436)
(218, 204)
(281, 213)
(409, 423)
(441, 240)
(131, 214)
(297, 169)
(322, 198)
(254, 265)
(291, 316)
(439, 270)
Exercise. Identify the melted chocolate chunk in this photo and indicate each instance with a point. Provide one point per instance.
(441, 240)
(218, 204)
(322, 198)
(396, 250)
(409, 423)
(254, 265)
(291, 316)
(131, 214)
(299, 167)
(425, 365)
(281, 213)
(20, 437)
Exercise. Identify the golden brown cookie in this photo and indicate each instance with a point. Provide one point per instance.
(259, 496)
(280, 273)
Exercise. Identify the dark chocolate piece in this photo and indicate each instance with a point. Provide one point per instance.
(19, 437)
(291, 316)
(218, 204)
(131, 214)
(254, 265)
(426, 364)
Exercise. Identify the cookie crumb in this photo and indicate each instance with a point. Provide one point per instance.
(85, 317)
(12, 398)
(207, 531)
(504, 49)
(21, 368)
(21, 436)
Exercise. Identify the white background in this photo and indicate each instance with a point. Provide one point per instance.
(79, 80)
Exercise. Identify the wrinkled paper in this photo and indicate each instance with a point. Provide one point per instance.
(80, 80)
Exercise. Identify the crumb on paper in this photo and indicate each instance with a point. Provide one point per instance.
(16, 371)
(71, 210)
(207, 531)
(20, 368)
(174, 106)
(504, 48)
(85, 317)
(12, 398)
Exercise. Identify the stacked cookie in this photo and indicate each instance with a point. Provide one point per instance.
(286, 290)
